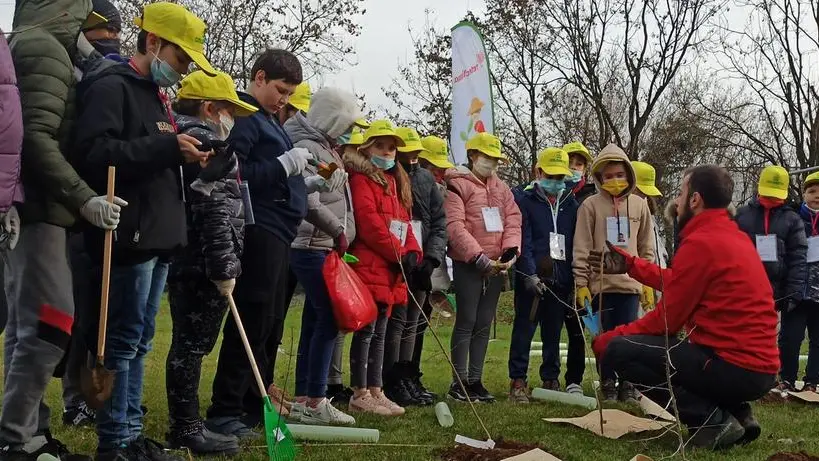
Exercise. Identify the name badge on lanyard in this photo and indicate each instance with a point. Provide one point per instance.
(492, 219)
(399, 230)
(617, 230)
(766, 247)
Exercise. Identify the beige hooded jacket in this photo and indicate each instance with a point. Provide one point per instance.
(590, 232)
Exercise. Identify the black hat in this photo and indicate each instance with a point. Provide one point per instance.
(104, 9)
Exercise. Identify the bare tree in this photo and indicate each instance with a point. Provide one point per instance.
(317, 31)
(775, 56)
(625, 52)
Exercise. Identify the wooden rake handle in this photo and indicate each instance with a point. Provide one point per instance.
(106, 272)
(235, 312)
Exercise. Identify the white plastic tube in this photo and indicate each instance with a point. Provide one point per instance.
(564, 397)
(333, 434)
(443, 414)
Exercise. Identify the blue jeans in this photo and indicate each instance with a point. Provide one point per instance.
(550, 315)
(619, 309)
(318, 326)
(134, 296)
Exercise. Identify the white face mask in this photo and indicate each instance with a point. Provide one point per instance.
(222, 129)
(484, 166)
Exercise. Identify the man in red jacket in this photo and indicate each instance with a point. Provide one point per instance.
(717, 293)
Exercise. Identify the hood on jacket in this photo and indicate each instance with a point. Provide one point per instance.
(300, 129)
(333, 111)
(462, 171)
(99, 68)
(612, 153)
(186, 122)
(61, 18)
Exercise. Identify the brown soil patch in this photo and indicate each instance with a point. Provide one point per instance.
(503, 449)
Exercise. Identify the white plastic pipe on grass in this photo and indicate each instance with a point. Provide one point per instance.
(443, 414)
(590, 361)
(333, 434)
(538, 345)
(564, 397)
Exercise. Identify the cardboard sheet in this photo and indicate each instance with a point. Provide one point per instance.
(809, 397)
(616, 423)
(652, 409)
(535, 455)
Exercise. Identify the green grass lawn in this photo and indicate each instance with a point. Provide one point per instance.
(419, 426)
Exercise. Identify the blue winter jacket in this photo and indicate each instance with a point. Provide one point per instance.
(537, 224)
(812, 277)
(279, 202)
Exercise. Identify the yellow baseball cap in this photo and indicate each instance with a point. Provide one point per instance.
(646, 177)
(356, 137)
(436, 152)
(812, 179)
(380, 128)
(300, 99)
(774, 182)
(179, 26)
(554, 161)
(577, 147)
(362, 122)
(220, 87)
(412, 142)
(487, 144)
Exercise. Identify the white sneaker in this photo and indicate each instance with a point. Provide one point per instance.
(325, 414)
(574, 389)
(297, 411)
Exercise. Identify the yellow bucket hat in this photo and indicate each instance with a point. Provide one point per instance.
(577, 147)
(774, 182)
(300, 99)
(179, 26)
(554, 161)
(487, 144)
(812, 179)
(646, 177)
(380, 128)
(362, 122)
(412, 142)
(436, 152)
(356, 137)
(220, 87)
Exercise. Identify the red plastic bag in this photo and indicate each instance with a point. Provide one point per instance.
(353, 305)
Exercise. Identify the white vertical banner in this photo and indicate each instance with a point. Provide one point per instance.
(472, 104)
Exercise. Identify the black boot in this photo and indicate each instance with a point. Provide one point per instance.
(745, 415)
(395, 389)
(415, 375)
(201, 441)
(409, 384)
(721, 431)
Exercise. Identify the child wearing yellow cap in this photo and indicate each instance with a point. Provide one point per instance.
(543, 277)
(779, 235)
(646, 177)
(805, 315)
(205, 271)
(484, 223)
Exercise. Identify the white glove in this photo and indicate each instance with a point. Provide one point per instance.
(295, 160)
(316, 183)
(11, 227)
(337, 180)
(225, 287)
(102, 214)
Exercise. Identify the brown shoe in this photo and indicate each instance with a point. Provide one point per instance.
(518, 391)
(279, 399)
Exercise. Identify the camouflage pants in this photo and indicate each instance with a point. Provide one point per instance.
(197, 310)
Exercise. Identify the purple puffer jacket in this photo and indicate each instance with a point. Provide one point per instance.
(11, 131)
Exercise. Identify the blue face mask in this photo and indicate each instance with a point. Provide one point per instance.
(382, 163)
(553, 187)
(163, 74)
(344, 139)
(574, 179)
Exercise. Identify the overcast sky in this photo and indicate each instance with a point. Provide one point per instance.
(378, 53)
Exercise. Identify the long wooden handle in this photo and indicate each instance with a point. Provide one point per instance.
(235, 312)
(106, 272)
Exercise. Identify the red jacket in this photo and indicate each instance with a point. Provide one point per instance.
(718, 291)
(378, 250)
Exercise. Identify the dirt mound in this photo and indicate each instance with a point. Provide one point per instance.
(772, 398)
(800, 456)
(503, 449)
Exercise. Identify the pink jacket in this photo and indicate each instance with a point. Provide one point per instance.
(11, 131)
(464, 204)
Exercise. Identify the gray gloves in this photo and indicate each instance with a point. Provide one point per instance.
(225, 287)
(102, 214)
(295, 160)
(533, 285)
(10, 231)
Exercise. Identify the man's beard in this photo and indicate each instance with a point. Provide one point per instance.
(684, 216)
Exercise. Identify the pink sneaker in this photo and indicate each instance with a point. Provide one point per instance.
(366, 403)
(392, 407)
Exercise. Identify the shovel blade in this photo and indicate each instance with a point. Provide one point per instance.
(97, 384)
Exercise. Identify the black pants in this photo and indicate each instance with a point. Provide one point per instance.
(576, 353)
(791, 335)
(419, 335)
(261, 300)
(197, 310)
(702, 382)
(77, 353)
